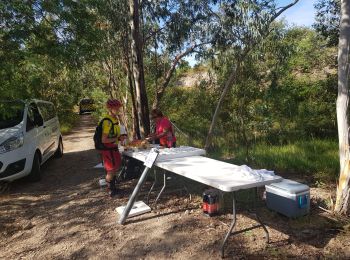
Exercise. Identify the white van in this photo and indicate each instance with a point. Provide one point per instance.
(29, 136)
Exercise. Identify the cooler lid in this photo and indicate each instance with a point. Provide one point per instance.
(290, 186)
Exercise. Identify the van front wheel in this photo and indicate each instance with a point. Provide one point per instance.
(35, 174)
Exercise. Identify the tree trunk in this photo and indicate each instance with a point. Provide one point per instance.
(136, 127)
(168, 75)
(228, 85)
(137, 68)
(343, 191)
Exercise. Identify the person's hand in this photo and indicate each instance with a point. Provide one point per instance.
(151, 137)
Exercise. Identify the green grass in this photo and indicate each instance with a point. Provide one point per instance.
(316, 158)
(67, 121)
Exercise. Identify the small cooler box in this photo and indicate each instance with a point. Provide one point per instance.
(289, 198)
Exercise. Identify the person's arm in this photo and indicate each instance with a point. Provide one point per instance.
(155, 136)
(165, 132)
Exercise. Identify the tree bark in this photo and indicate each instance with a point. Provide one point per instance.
(343, 191)
(136, 127)
(168, 75)
(228, 84)
(138, 70)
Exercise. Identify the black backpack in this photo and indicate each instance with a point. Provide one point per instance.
(98, 136)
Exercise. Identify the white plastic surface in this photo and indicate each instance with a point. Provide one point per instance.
(167, 153)
(224, 176)
(290, 186)
(99, 166)
(138, 208)
(284, 193)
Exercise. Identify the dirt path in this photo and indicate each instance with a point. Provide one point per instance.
(68, 216)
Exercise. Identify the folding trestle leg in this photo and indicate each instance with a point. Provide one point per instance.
(258, 218)
(161, 191)
(165, 178)
(152, 187)
(133, 197)
(233, 223)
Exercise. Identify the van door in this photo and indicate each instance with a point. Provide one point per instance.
(54, 125)
(35, 134)
(46, 132)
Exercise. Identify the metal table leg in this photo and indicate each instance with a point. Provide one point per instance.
(258, 218)
(133, 196)
(229, 233)
(152, 187)
(264, 227)
(161, 191)
(233, 223)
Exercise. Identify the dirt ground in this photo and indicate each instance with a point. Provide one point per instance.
(68, 216)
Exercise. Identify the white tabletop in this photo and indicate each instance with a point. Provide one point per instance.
(223, 176)
(166, 153)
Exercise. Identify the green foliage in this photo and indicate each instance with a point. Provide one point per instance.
(190, 109)
(327, 20)
(100, 97)
(284, 93)
(314, 158)
(67, 121)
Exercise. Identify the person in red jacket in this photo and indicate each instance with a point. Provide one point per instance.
(163, 130)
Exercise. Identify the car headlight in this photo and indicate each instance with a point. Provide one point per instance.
(12, 143)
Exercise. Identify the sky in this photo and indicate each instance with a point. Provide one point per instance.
(301, 14)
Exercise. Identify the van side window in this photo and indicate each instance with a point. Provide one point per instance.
(47, 110)
(32, 114)
(51, 110)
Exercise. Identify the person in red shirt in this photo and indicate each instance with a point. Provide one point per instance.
(163, 130)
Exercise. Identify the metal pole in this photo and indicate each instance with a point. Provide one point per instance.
(133, 196)
(148, 165)
(233, 223)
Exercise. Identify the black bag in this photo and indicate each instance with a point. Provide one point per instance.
(98, 136)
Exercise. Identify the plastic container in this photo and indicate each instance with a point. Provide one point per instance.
(289, 198)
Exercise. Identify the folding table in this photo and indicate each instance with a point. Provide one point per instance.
(220, 175)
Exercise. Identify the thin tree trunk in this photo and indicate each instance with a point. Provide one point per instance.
(343, 191)
(131, 83)
(168, 75)
(138, 71)
(136, 127)
(232, 76)
(228, 85)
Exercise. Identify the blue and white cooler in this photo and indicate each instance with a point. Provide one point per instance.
(289, 198)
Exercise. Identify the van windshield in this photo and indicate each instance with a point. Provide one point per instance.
(11, 113)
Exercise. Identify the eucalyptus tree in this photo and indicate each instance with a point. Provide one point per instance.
(177, 28)
(45, 45)
(168, 28)
(343, 189)
(138, 68)
(327, 20)
(241, 25)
